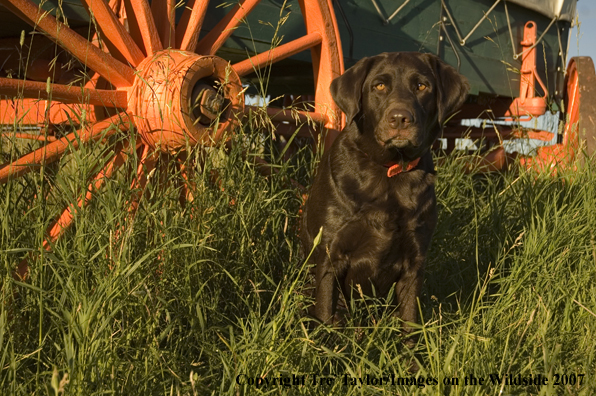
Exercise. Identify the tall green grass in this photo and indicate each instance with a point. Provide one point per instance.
(195, 300)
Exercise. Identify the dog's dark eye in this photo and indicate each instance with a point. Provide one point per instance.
(421, 87)
(380, 87)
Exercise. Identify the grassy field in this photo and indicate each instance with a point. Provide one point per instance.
(209, 299)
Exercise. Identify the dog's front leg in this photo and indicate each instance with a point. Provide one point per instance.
(407, 289)
(326, 291)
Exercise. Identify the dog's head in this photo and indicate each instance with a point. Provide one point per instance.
(399, 102)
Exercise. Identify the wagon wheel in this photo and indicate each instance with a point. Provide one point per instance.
(153, 62)
(580, 99)
(579, 133)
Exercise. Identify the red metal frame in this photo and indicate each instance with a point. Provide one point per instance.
(528, 105)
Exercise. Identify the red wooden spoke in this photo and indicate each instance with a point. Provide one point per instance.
(116, 6)
(142, 25)
(63, 221)
(165, 19)
(117, 73)
(224, 29)
(185, 165)
(23, 112)
(114, 31)
(52, 151)
(189, 26)
(63, 93)
(40, 112)
(276, 54)
(30, 136)
(146, 165)
(183, 183)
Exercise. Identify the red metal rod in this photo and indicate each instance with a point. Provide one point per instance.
(117, 73)
(306, 131)
(142, 25)
(276, 54)
(224, 29)
(189, 26)
(503, 132)
(114, 31)
(545, 136)
(63, 93)
(52, 151)
(295, 116)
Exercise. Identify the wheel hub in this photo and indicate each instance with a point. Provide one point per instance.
(179, 99)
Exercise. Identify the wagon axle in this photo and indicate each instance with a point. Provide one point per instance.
(207, 104)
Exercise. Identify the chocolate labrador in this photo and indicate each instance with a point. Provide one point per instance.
(373, 194)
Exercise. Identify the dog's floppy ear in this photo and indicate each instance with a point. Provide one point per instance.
(452, 88)
(346, 89)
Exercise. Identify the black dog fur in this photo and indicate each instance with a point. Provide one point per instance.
(377, 229)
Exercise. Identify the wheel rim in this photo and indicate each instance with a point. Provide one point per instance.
(152, 62)
(572, 101)
(580, 129)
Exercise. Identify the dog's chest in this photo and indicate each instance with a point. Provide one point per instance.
(412, 191)
(401, 193)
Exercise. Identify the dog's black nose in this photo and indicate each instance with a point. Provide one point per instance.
(400, 118)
